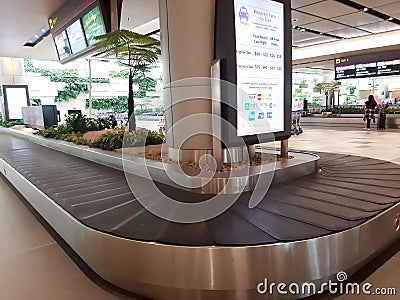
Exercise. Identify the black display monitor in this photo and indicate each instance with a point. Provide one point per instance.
(368, 65)
(75, 25)
(15, 97)
(62, 45)
(76, 37)
(253, 39)
(93, 25)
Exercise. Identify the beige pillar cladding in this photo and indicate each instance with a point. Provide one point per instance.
(187, 41)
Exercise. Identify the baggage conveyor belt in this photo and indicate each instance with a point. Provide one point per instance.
(347, 193)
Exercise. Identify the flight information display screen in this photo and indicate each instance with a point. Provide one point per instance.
(388, 67)
(345, 72)
(365, 70)
(370, 65)
(76, 23)
(93, 25)
(76, 37)
(62, 45)
(259, 29)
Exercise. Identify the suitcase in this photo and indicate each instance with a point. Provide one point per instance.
(381, 121)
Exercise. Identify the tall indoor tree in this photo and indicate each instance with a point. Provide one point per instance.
(133, 50)
(328, 88)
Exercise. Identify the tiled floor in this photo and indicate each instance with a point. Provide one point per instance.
(33, 266)
(376, 144)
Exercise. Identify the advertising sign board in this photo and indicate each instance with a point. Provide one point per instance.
(253, 43)
(259, 28)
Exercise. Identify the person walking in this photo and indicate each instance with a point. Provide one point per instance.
(369, 111)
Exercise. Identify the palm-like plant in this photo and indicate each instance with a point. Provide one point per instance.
(131, 49)
(327, 88)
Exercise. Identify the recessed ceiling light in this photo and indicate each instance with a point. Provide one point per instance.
(321, 33)
(43, 30)
(365, 9)
(294, 20)
(294, 26)
(36, 36)
(390, 19)
(302, 30)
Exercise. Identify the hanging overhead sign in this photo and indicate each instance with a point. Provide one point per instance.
(75, 25)
(368, 65)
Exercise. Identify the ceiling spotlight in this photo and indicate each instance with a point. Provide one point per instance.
(36, 36)
(390, 19)
(294, 26)
(365, 9)
(294, 20)
(43, 30)
(302, 30)
(321, 33)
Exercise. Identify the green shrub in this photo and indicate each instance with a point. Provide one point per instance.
(9, 124)
(63, 129)
(72, 137)
(77, 123)
(393, 110)
(35, 102)
(347, 110)
(50, 133)
(110, 141)
(107, 123)
(155, 138)
(115, 139)
(115, 104)
(132, 139)
(55, 132)
(102, 123)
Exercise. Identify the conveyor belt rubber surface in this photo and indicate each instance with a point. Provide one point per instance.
(348, 191)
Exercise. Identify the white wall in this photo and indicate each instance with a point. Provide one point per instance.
(42, 88)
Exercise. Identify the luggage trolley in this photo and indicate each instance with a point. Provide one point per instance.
(297, 111)
(296, 126)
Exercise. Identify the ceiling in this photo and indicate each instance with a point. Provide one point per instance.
(315, 22)
(15, 31)
(19, 21)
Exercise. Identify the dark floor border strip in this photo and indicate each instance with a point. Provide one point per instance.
(92, 275)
